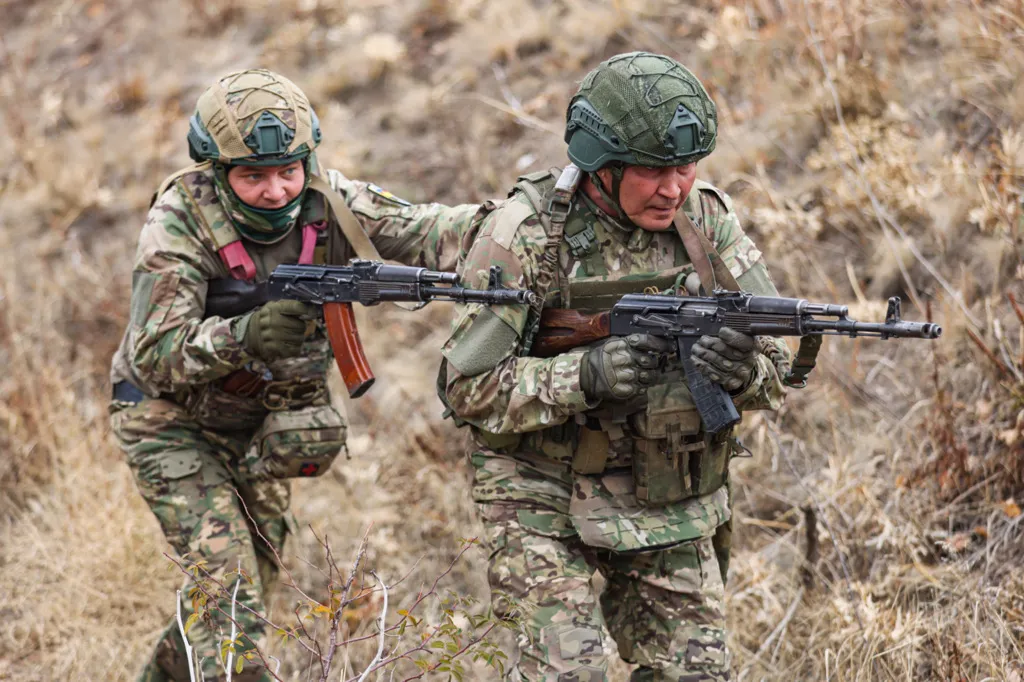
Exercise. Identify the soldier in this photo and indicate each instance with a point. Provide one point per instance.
(200, 396)
(595, 459)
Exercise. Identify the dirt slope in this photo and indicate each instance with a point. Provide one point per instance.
(874, 147)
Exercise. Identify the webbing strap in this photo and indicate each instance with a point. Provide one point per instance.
(554, 217)
(350, 225)
(804, 362)
(706, 260)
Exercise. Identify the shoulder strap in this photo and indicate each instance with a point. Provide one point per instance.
(706, 260)
(173, 177)
(553, 217)
(350, 225)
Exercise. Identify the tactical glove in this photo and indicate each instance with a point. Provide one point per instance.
(727, 359)
(623, 367)
(277, 329)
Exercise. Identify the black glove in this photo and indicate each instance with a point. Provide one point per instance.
(623, 367)
(277, 329)
(727, 359)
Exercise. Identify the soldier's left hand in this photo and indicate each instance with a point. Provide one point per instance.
(727, 359)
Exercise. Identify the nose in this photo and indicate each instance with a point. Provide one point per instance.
(670, 187)
(275, 192)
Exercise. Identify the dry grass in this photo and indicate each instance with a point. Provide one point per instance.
(878, 522)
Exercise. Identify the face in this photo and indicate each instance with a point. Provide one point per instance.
(267, 187)
(650, 197)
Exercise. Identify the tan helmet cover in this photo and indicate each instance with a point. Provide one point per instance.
(231, 108)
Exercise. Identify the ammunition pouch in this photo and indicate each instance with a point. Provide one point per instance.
(297, 443)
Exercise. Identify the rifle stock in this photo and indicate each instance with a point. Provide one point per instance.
(348, 349)
(563, 330)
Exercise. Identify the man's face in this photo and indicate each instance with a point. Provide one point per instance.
(650, 197)
(267, 187)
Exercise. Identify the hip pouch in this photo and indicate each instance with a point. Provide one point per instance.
(673, 460)
(297, 443)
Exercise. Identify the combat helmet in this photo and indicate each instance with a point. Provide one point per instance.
(255, 118)
(642, 109)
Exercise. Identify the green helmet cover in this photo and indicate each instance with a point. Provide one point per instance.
(254, 118)
(640, 109)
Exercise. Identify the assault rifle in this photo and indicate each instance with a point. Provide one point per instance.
(687, 318)
(337, 287)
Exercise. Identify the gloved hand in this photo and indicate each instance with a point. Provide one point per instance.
(727, 359)
(623, 367)
(277, 329)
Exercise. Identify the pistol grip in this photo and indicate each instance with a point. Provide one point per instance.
(714, 404)
(348, 349)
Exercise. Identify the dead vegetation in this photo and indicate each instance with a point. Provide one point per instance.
(874, 147)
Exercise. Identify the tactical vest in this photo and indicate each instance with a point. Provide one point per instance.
(671, 457)
(242, 399)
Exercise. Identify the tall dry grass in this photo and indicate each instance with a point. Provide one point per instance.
(874, 147)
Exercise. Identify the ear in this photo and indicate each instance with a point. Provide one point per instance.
(605, 175)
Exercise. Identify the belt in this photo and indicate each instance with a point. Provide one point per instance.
(126, 392)
(275, 395)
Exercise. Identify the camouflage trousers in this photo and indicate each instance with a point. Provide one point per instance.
(192, 481)
(663, 608)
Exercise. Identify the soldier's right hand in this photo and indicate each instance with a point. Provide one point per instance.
(623, 367)
(277, 329)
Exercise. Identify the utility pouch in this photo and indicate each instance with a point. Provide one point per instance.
(212, 407)
(665, 448)
(592, 451)
(297, 443)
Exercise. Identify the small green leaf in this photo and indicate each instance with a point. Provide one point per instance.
(190, 622)
(239, 664)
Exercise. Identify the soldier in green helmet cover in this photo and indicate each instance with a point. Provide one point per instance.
(595, 459)
(200, 396)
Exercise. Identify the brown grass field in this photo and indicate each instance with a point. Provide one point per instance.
(873, 147)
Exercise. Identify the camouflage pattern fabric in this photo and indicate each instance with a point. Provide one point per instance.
(551, 526)
(189, 477)
(190, 444)
(663, 609)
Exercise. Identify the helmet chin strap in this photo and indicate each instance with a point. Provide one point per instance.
(612, 199)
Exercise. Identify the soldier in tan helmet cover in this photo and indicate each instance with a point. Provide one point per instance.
(596, 459)
(200, 396)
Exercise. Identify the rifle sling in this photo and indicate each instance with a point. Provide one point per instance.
(713, 272)
(710, 267)
(350, 226)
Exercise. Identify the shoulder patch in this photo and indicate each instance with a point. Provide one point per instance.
(386, 195)
(511, 216)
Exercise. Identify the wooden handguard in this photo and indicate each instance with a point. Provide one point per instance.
(562, 330)
(348, 349)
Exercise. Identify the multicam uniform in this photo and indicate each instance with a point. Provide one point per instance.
(194, 411)
(557, 478)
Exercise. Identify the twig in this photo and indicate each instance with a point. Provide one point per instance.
(781, 627)
(337, 617)
(380, 626)
(520, 115)
(280, 562)
(881, 214)
(234, 624)
(184, 638)
(987, 351)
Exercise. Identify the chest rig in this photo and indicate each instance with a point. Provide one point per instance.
(291, 383)
(660, 439)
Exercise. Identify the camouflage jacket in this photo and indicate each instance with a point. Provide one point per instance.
(172, 347)
(528, 408)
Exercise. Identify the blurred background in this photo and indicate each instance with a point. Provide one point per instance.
(873, 148)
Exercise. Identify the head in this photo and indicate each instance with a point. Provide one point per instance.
(638, 125)
(259, 132)
(268, 187)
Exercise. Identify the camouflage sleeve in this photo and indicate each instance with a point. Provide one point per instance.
(425, 235)
(485, 383)
(171, 346)
(745, 261)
